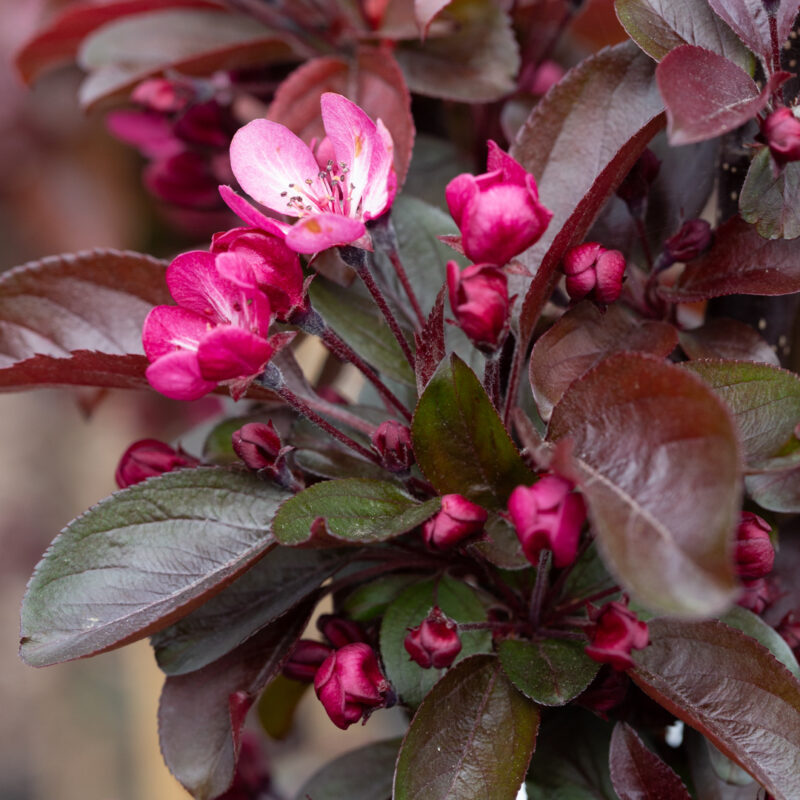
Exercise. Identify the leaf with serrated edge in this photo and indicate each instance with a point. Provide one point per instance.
(453, 749)
(769, 201)
(142, 559)
(661, 475)
(729, 339)
(732, 690)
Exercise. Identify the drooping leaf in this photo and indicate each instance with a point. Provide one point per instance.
(639, 774)
(331, 461)
(602, 113)
(458, 601)
(769, 201)
(460, 442)
(661, 473)
(765, 402)
(354, 510)
(476, 62)
(200, 715)
(751, 624)
(549, 671)
(727, 338)
(659, 26)
(453, 749)
(282, 579)
(740, 262)
(372, 79)
(706, 782)
(706, 95)
(362, 774)
(583, 337)
(732, 690)
(142, 559)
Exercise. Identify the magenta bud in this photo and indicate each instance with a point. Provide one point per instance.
(458, 519)
(594, 272)
(781, 131)
(541, 78)
(305, 660)
(789, 629)
(147, 458)
(339, 631)
(754, 554)
(616, 632)
(259, 446)
(434, 642)
(184, 179)
(479, 300)
(548, 516)
(350, 684)
(757, 595)
(689, 242)
(392, 442)
(163, 94)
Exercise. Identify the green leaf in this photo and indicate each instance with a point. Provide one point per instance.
(370, 600)
(277, 705)
(659, 26)
(550, 671)
(770, 202)
(460, 442)
(355, 511)
(362, 774)
(143, 558)
(471, 738)
(731, 689)
(588, 576)
(458, 601)
(499, 545)
(218, 445)
(282, 579)
(332, 461)
(661, 474)
(748, 623)
(765, 402)
(776, 491)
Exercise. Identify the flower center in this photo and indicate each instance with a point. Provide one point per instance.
(335, 197)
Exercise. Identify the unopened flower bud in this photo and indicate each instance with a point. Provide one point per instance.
(350, 684)
(434, 642)
(259, 446)
(594, 272)
(392, 442)
(689, 242)
(339, 631)
(781, 131)
(754, 554)
(548, 516)
(757, 595)
(606, 692)
(789, 629)
(305, 660)
(635, 188)
(616, 632)
(457, 519)
(147, 458)
(163, 94)
(479, 300)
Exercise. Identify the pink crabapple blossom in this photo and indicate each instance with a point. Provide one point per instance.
(594, 272)
(479, 300)
(616, 632)
(332, 200)
(434, 642)
(457, 519)
(781, 131)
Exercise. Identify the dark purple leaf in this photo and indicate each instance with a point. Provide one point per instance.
(740, 262)
(661, 470)
(430, 348)
(453, 749)
(460, 442)
(705, 94)
(142, 559)
(769, 201)
(580, 142)
(727, 338)
(732, 690)
(200, 715)
(639, 774)
(582, 338)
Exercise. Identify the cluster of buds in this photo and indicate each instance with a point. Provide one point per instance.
(594, 272)
(691, 241)
(457, 520)
(499, 216)
(148, 458)
(754, 557)
(616, 632)
(781, 132)
(434, 642)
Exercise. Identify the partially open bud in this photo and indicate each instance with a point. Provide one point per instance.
(458, 519)
(147, 458)
(594, 272)
(339, 631)
(781, 131)
(350, 684)
(392, 442)
(616, 632)
(305, 660)
(548, 516)
(754, 554)
(479, 300)
(259, 446)
(689, 242)
(434, 642)
(164, 94)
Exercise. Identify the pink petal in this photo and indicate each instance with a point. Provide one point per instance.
(272, 165)
(151, 133)
(228, 352)
(382, 184)
(513, 171)
(458, 194)
(313, 234)
(169, 328)
(195, 284)
(177, 375)
(248, 213)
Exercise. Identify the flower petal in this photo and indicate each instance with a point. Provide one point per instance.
(313, 234)
(512, 170)
(272, 165)
(195, 283)
(228, 352)
(248, 213)
(177, 375)
(170, 328)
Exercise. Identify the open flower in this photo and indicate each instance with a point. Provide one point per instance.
(216, 334)
(332, 200)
